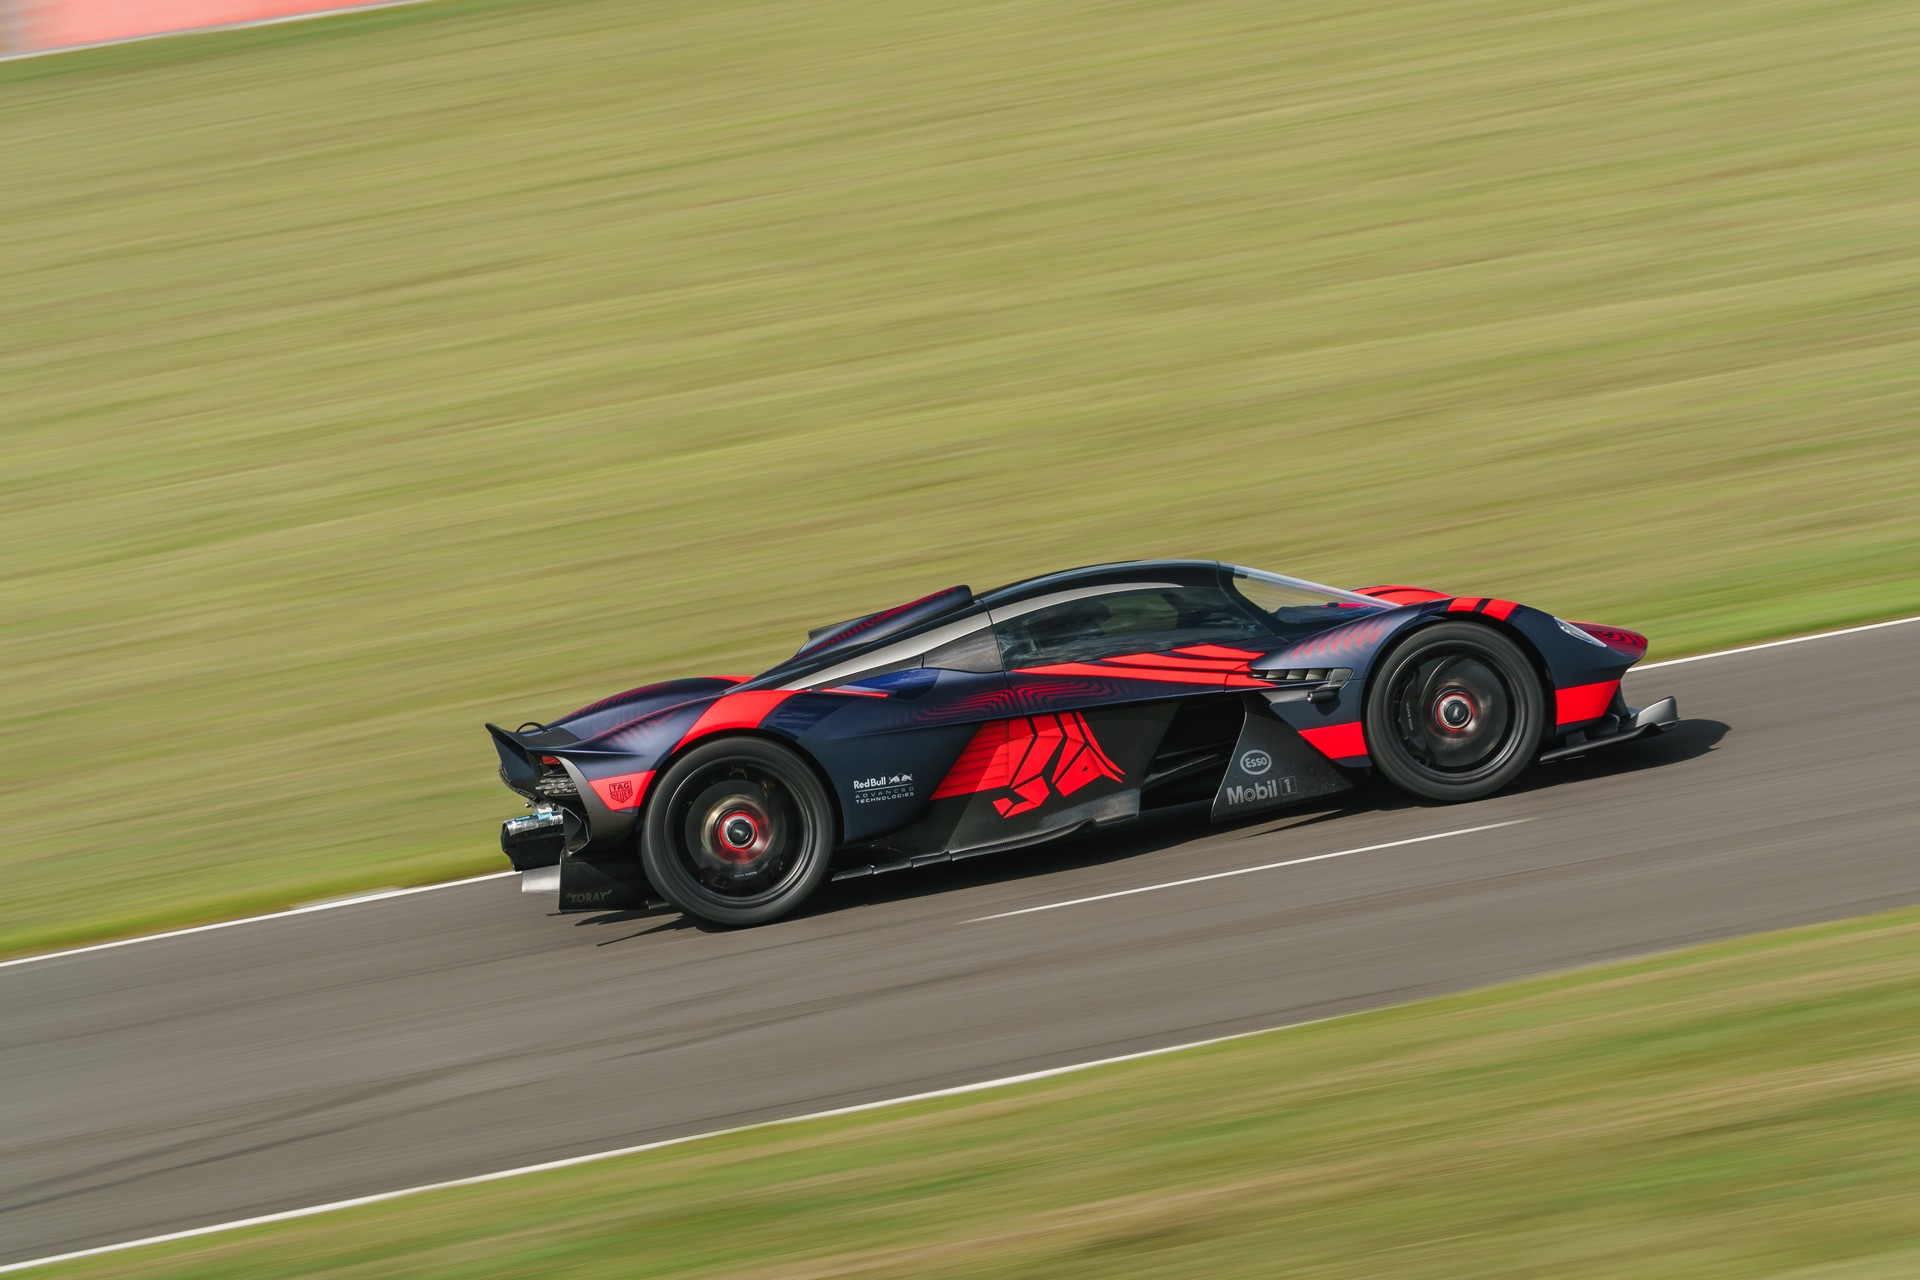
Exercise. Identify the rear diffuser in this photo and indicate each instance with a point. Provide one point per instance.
(616, 884)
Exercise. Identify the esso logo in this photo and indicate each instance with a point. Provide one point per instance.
(1256, 762)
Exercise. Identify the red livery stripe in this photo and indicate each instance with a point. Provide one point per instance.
(1465, 604)
(736, 711)
(1165, 675)
(1337, 741)
(1583, 702)
(1403, 595)
(729, 711)
(1180, 661)
(1499, 609)
(1219, 651)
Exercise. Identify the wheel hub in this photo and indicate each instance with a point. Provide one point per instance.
(738, 831)
(1455, 711)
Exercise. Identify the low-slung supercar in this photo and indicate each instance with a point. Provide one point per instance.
(959, 724)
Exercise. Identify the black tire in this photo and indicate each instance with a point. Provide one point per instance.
(1455, 713)
(740, 831)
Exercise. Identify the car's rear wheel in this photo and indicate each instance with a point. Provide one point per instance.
(1455, 713)
(740, 831)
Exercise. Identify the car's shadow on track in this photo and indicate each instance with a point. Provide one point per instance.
(1687, 740)
(663, 919)
(1169, 828)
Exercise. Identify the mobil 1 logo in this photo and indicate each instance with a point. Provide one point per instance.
(1269, 768)
(1240, 795)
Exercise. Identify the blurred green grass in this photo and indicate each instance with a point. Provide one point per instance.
(365, 379)
(1734, 1111)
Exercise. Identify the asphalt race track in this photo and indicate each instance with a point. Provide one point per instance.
(299, 1060)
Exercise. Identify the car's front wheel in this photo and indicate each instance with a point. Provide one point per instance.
(1455, 713)
(740, 831)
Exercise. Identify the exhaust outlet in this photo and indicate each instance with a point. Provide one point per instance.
(534, 839)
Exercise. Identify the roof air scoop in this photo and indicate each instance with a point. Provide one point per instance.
(887, 622)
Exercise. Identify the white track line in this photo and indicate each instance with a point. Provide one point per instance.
(309, 909)
(1246, 871)
(569, 1162)
(1774, 644)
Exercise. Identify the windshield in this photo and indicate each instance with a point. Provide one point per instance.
(1296, 605)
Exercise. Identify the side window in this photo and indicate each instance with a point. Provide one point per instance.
(1125, 622)
(1296, 609)
(974, 651)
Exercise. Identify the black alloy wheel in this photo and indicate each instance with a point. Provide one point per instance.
(1455, 713)
(739, 832)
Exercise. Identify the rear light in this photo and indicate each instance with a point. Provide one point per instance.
(1578, 634)
(554, 781)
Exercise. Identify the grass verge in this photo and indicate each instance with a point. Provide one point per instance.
(1736, 1110)
(367, 378)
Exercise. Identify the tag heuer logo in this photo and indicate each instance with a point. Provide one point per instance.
(1256, 762)
(621, 791)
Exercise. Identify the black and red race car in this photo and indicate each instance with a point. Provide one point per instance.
(959, 724)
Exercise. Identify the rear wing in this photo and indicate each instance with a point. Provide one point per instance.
(519, 769)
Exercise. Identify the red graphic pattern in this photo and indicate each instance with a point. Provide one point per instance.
(1032, 759)
(1329, 648)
